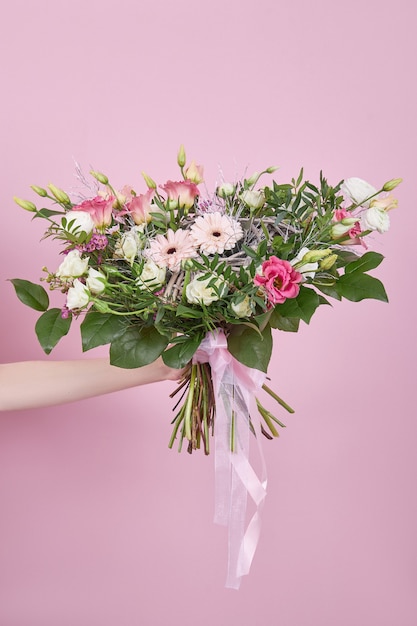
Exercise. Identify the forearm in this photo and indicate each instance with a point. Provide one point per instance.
(33, 384)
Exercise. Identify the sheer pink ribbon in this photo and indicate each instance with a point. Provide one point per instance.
(235, 385)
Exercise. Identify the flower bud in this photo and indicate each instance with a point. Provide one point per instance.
(187, 264)
(102, 178)
(328, 262)
(25, 204)
(226, 190)
(148, 180)
(59, 194)
(272, 169)
(181, 158)
(392, 184)
(101, 306)
(315, 255)
(194, 173)
(39, 190)
(253, 179)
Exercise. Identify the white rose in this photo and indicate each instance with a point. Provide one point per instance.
(375, 219)
(73, 265)
(198, 291)
(96, 281)
(152, 276)
(78, 295)
(242, 309)
(358, 191)
(76, 222)
(308, 270)
(253, 199)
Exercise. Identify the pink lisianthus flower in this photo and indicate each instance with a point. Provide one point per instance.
(100, 209)
(279, 279)
(346, 225)
(140, 207)
(180, 194)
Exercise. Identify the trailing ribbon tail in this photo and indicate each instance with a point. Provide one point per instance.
(235, 385)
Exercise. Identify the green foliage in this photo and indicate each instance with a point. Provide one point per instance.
(251, 347)
(30, 294)
(50, 328)
(137, 346)
(98, 329)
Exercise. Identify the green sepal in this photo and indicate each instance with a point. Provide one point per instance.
(51, 327)
(31, 294)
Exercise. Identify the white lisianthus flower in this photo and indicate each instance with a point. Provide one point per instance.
(96, 281)
(127, 247)
(73, 265)
(225, 190)
(78, 296)
(358, 191)
(253, 199)
(243, 308)
(308, 270)
(152, 276)
(75, 222)
(375, 218)
(199, 292)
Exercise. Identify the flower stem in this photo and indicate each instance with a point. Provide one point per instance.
(278, 399)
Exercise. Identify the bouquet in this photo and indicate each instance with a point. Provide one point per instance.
(201, 279)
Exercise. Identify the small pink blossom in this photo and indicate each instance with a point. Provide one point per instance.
(100, 209)
(140, 207)
(280, 280)
(181, 194)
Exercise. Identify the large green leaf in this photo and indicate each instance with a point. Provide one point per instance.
(98, 329)
(182, 352)
(356, 286)
(31, 294)
(251, 347)
(137, 347)
(368, 261)
(301, 307)
(51, 327)
(288, 324)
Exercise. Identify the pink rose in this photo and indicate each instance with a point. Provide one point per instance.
(279, 279)
(100, 209)
(140, 207)
(180, 194)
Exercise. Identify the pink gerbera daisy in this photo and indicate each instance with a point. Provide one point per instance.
(214, 232)
(168, 251)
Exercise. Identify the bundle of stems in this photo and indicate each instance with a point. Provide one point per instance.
(195, 418)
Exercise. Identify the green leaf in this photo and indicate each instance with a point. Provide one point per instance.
(356, 286)
(302, 307)
(330, 290)
(98, 329)
(30, 294)
(250, 347)
(47, 213)
(369, 261)
(137, 347)
(287, 324)
(185, 311)
(182, 352)
(50, 328)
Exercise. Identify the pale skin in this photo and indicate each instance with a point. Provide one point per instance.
(34, 384)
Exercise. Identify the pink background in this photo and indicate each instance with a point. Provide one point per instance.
(100, 523)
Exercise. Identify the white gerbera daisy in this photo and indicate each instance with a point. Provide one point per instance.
(214, 233)
(170, 250)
